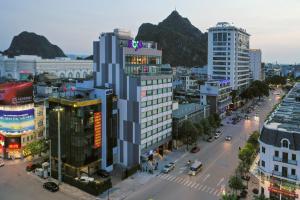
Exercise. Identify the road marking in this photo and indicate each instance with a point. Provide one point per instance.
(211, 190)
(219, 193)
(177, 179)
(199, 188)
(193, 185)
(173, 178)
(222, 179)
(206, 177)
(207, 189)
(170, 177)
(181, 157)
(182, 181)
(189, 184)
(204, 188)
(186, 182)
(197, 185)
(216, 192)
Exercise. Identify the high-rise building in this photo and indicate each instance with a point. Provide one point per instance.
(255, 64)
(143, 85)
(228, 55)
(279, 164)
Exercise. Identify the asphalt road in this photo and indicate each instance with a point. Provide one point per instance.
(16, 184)
(219, 158)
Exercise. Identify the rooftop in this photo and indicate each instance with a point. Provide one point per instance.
(186, 109)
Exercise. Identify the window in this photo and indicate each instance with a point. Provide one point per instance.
(159, 81)
(149, 92)
(276, 153)
(143, 83)
(144, 104)
(263, 150)
(285, 143)
(276, 168)
(294, 157)
(149, 82)
(293, 172)
(263, 163)
(154, 82)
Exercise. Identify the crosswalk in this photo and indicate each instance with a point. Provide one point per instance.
(192, 184)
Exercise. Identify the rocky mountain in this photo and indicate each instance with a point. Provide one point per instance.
(27, 43)
(182, 43)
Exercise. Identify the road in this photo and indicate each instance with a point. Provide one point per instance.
(16, 184)
(219, 158)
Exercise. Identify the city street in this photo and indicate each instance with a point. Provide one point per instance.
(17, 184)
(218, 157)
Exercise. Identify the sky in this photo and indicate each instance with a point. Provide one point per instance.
(73, 25)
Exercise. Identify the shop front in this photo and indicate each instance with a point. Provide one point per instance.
(2, 148)
(12, 147)
(282, 190)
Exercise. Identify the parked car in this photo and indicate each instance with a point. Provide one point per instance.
(85, 179)
(210, 139)
(30, 167)
(51, 186)
(1, 163)
(228, 138)
(217, 134)
(169, 167)
(195, 149)
(102, 173)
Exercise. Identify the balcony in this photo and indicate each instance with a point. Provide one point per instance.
(294, 177)
(278, 159)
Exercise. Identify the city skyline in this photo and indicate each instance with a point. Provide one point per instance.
(81, 23)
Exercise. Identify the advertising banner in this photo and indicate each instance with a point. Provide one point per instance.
(16, 93)
(16, 121)
(97, 129)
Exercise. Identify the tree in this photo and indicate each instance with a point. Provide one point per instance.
(233, 94)
(235, 183)
(229, 197)
(253, 139)
(206, 126)
(34, 148)
(217, 119)
(261, 197)
(247, 153)
(188, 133)
(242, 169)
(212, 122)
(199, 128)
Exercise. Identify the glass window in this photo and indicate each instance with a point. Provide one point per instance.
(159, 100)
(149, 92)
(143, 83)
(294, 157)
(159, 91)
(154, 92)
(165, 80)
(149, 123)
(149, 113)
(276, 168)
(155, 82)
(169, 80)
(159, 81)
(149, 103)
(293, 172)
(154, 101)
(263, 163)
(144, 104)
(144, 125)
(263, 150)
(149, 82)
(143, 136)
(143, 114)
(285, 144)
(154, 111)
(276, 153)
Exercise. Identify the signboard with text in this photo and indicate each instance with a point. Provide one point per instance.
(16, 121)
(17, 93)
(97, 129)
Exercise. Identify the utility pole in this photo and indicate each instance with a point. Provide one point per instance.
(59, 109)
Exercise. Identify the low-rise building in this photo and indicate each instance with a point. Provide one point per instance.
(216, 94)
(279, 165)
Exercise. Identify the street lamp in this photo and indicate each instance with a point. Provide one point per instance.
(49, 142)
(58, 109)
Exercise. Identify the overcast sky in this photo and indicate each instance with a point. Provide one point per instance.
(274, 25)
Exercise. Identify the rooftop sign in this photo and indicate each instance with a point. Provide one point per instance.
(135, 44)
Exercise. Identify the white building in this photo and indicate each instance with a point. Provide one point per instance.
(279, 166)
(228, 55)
(61, 67)
(133, 70)
(255, 64)
(216, 94)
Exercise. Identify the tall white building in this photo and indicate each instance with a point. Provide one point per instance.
(143, 85)
(27, 64)
(255, 64)
(279, 165)
(228, 55)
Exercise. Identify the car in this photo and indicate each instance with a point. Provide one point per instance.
(31, 167)
(218, 134)
(246, 117)
(51, 186)
(1, 163)
(102, 173)
(210, 139)
(169, 167)
(228, 138)
(85, 179)
(195, 149)
(221, 124)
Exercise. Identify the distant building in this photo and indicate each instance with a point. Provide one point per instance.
(200, 73)
(228, 55)
(297, 72)
(279, 163)
(216, 94)
(20, 67)
(256, 65)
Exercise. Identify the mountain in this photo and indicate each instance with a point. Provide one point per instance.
(182, 43)
(27, 43)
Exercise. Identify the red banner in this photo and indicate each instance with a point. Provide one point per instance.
(284, 192)
(97, 129)
(16, 93)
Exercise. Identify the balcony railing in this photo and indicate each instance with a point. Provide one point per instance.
(294, 177)
(278, 159)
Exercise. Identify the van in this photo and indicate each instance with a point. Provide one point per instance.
(195, 168)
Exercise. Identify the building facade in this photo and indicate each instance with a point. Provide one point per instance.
(279, 165)
(134, 72)
(216, 94)
(21, 66)
(228, 55)
(257, 72)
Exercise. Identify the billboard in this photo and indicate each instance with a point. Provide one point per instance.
(16, 121)
(97, 129)
(17, 93)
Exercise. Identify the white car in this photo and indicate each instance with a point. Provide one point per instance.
(1, 163)
(217, 134)
(85, 179)
(169, 167)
